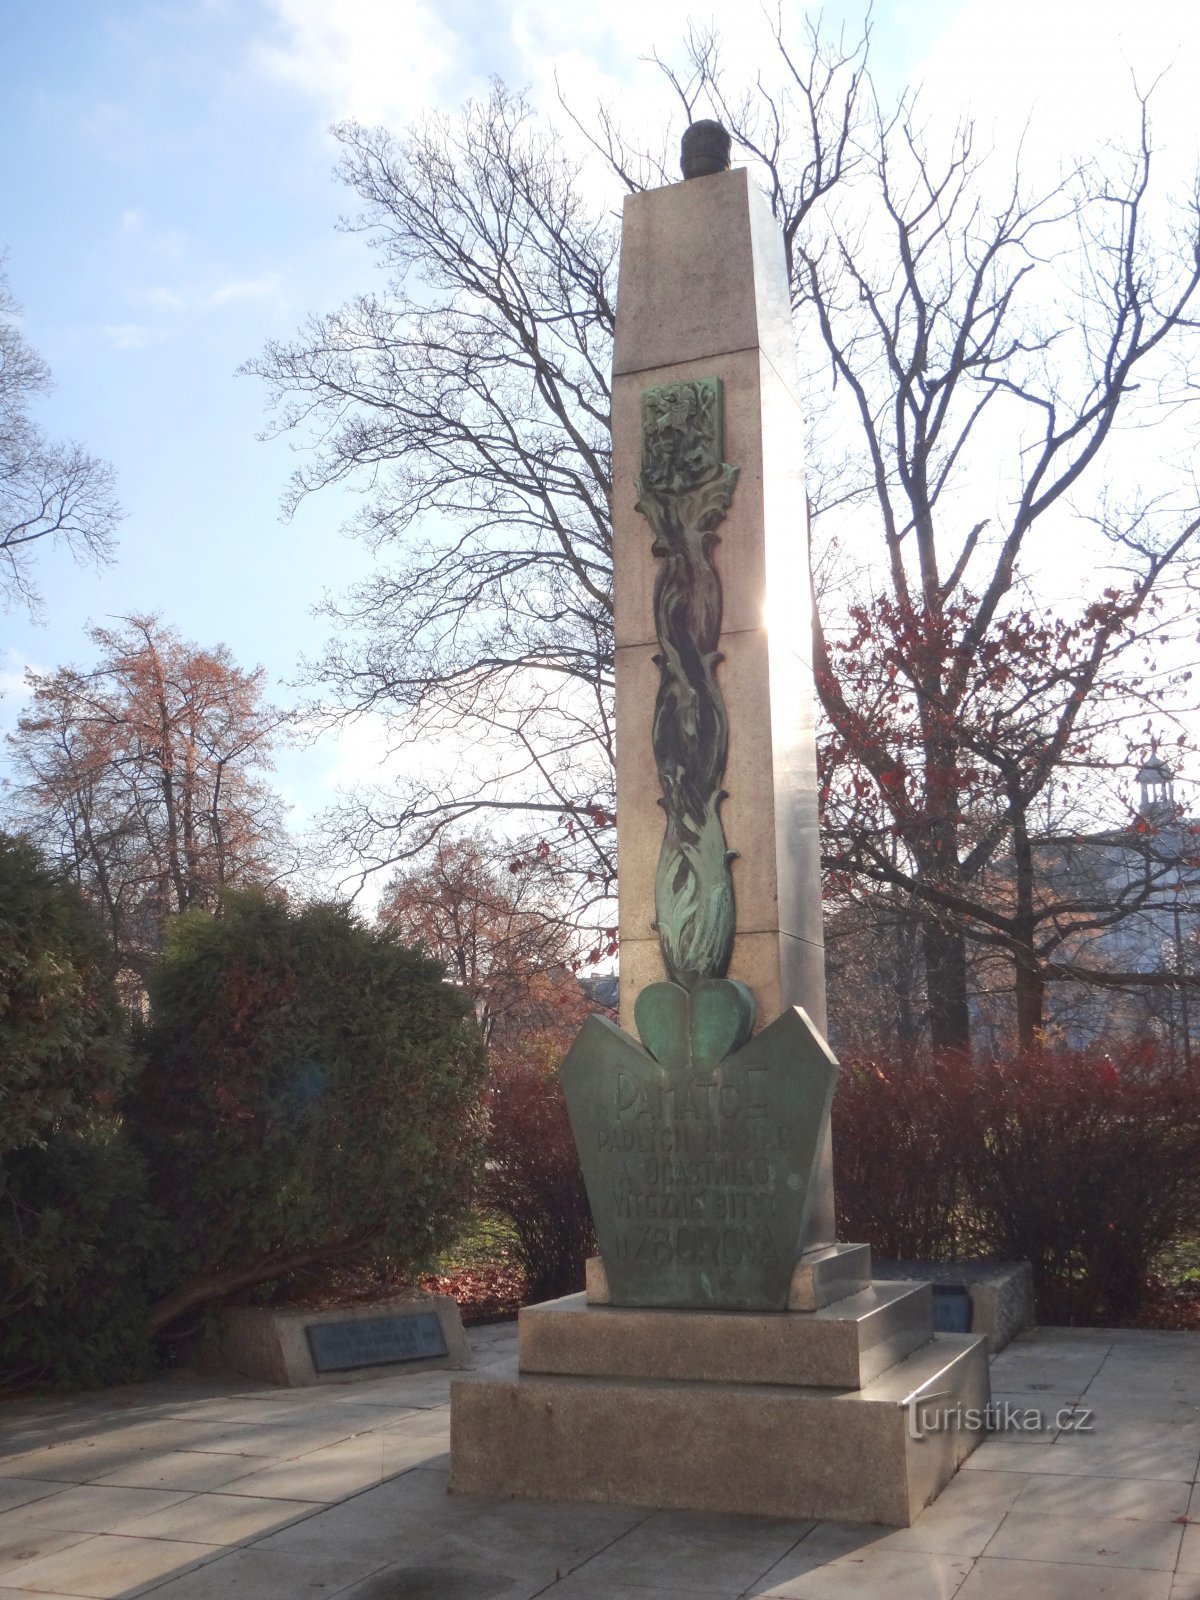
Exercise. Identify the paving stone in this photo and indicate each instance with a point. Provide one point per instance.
(1088, 1540)
(1160, 1411)
(272, 1406)
(965, 1515)
(67, 1463)
(1002, 1453)
(106, 1566)
(1189, 1552)
(390, 1523)
(419, 1394)
(182, 1469)
(436, 1582)
(23, 1491)
(874, 1571)
(536, 1544)
(993, 1579)
(1131, 1451)
(266, 1439)
(220, 1519)
(707, 1555)
(1030, 1416)
(88, 1508)
(81, 1459)
(255, 1574)
(20, 1545)
(326, 1475)
(1068, 1519)
(1145, 1499)
(1140, 1372)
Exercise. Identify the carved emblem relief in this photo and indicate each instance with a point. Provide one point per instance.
(684, 491)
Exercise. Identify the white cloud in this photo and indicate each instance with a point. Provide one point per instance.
(267, 283)
(195, 298)
(162, 298)
(375, 60)
(360, 753)
(14, 691)
(1068, 71)
(127, 335)
(604, 54)
(12, 680)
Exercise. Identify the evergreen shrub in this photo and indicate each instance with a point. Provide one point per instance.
(79, 1242)
(311, 1093)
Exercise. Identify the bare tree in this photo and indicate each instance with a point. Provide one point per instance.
(142, 775)
(48, 490)
(975, 347)
(970, 354)
(470, 399)
(494, 922)
(947, 361)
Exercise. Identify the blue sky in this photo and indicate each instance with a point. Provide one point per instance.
(168, 205)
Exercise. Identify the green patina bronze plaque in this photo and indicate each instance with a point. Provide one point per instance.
(700, 1165)
(684, 491)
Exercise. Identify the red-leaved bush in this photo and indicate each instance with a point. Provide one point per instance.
(1085, 1163)
(533, 1175)
(900, 1132)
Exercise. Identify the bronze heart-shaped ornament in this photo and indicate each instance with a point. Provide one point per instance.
(700, 1165)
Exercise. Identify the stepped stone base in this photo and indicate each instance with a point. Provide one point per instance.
(842, 1346)
(820, 1277)
(854, 1411)
(829, 1273)
(757, 1449)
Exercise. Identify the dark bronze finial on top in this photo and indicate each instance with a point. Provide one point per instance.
(704, 149)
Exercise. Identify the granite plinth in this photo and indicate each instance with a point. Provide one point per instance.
(754, 1449)
(845, 1345)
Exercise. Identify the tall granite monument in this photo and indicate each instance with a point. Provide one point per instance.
(721, 1315)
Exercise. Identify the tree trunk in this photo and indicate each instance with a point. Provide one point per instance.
(1031, 999)
(208, 1286)
(1029, 983)
(946, 984)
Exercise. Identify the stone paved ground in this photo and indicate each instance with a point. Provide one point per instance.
(200, 1489)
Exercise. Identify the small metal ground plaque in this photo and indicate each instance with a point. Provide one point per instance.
(375, 1342)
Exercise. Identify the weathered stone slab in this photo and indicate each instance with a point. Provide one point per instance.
(759, 1450)
(700, 1175)
(843, 1346)
(408, 1333)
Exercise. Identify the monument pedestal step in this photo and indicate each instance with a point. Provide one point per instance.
(879, 1453)
(842, 1346)
(821, 1276)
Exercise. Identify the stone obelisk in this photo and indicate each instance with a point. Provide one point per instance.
(727, 1355)
(703, 294)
